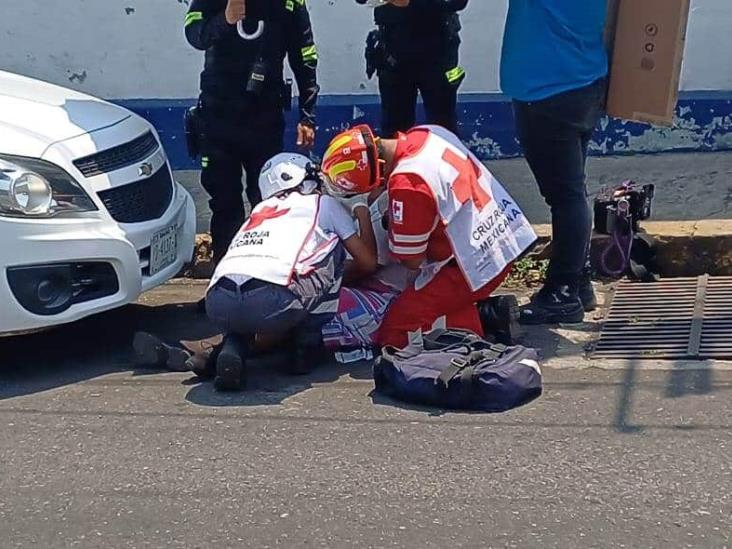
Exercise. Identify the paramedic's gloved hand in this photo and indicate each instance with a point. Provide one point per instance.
(305, 135)
(236, 10)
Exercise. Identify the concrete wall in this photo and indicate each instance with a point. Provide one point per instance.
(125, 49)
(134, 52)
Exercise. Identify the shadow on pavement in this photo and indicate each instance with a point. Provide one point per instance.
(683, 382)
(267, 385)
(91, 348)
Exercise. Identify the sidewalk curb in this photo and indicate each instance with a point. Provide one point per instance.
(684, 248)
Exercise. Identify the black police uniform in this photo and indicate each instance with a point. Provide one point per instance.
(420, 48)
(243, 95)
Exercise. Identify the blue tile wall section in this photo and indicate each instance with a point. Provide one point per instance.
(703, 123)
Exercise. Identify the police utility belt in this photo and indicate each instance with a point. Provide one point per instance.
(256, 85)
(378, 40)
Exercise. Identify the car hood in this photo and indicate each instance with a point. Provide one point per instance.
(35, 115)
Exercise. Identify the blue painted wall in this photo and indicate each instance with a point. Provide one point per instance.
(703, 123)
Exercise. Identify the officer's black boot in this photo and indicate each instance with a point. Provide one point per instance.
(499, 316)
(558, 304)
(586, 292)
(231, 363)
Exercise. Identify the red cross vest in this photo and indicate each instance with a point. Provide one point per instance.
(280, 238)
(485, 226)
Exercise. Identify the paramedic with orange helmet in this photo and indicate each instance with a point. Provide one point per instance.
(450, 221)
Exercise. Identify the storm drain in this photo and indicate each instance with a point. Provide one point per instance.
(680, 318)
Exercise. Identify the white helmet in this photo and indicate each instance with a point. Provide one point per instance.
(286, 171)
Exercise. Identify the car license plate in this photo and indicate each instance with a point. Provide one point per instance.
(163, 249)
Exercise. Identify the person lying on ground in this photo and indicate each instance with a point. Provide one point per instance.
(363, 305)
(282, 274)
(450, 221)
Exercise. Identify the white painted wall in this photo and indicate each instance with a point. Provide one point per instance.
(97, 47)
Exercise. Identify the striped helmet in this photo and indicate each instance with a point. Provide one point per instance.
(351, 164)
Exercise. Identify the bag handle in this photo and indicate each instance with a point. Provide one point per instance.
(466, 366)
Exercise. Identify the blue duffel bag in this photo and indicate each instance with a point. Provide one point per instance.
(457, 370)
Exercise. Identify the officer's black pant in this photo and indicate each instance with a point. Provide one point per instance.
(234, 141)
(427, 75)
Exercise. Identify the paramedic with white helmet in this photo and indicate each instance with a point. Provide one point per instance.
(283, 271)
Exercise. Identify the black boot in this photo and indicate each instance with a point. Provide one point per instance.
(152, 352)
(231, 362)
(203, 365)
(586, 292)
(499, 316)
(304, 359)
(553, 305)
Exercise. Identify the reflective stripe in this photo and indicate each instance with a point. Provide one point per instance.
(309, 53)
(411, 238)
(455, 74)
(204, 162)
(290, 5)
(193, 16)
(404, 250)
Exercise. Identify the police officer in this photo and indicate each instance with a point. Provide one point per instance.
(415, 49)
(243, 95)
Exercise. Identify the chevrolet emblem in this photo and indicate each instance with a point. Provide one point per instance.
(145, 170)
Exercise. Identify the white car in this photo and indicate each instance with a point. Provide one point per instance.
(90, 216)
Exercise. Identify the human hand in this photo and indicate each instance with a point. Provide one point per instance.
(399, 3)
(305, 136)
(236, 10)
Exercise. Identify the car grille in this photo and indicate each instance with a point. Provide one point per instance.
(118, 157)
(142, 200)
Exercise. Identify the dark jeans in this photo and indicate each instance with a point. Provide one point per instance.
(259, 307)
(554, 135)
(400, 83)
(235, 140)
(263, 308)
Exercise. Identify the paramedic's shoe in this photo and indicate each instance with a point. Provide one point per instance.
(587, 293)
(499, 316)
(556, 305)
(304, 359)
(230, 364)
(152, 352)
(203, 365)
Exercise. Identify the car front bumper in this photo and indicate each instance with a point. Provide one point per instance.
(92, 238)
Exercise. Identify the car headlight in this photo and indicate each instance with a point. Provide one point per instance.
(30, 187)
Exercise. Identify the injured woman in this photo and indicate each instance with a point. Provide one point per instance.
(363, 304)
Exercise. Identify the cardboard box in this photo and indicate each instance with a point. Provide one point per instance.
(647, 40)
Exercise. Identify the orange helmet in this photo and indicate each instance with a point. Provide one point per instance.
(351, 163)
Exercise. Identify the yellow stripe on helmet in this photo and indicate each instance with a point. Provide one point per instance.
(337, 144)
(341, 168)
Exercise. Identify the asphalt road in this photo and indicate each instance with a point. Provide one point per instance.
(94, 453)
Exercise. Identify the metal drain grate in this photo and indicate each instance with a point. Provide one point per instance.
(680, 318)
